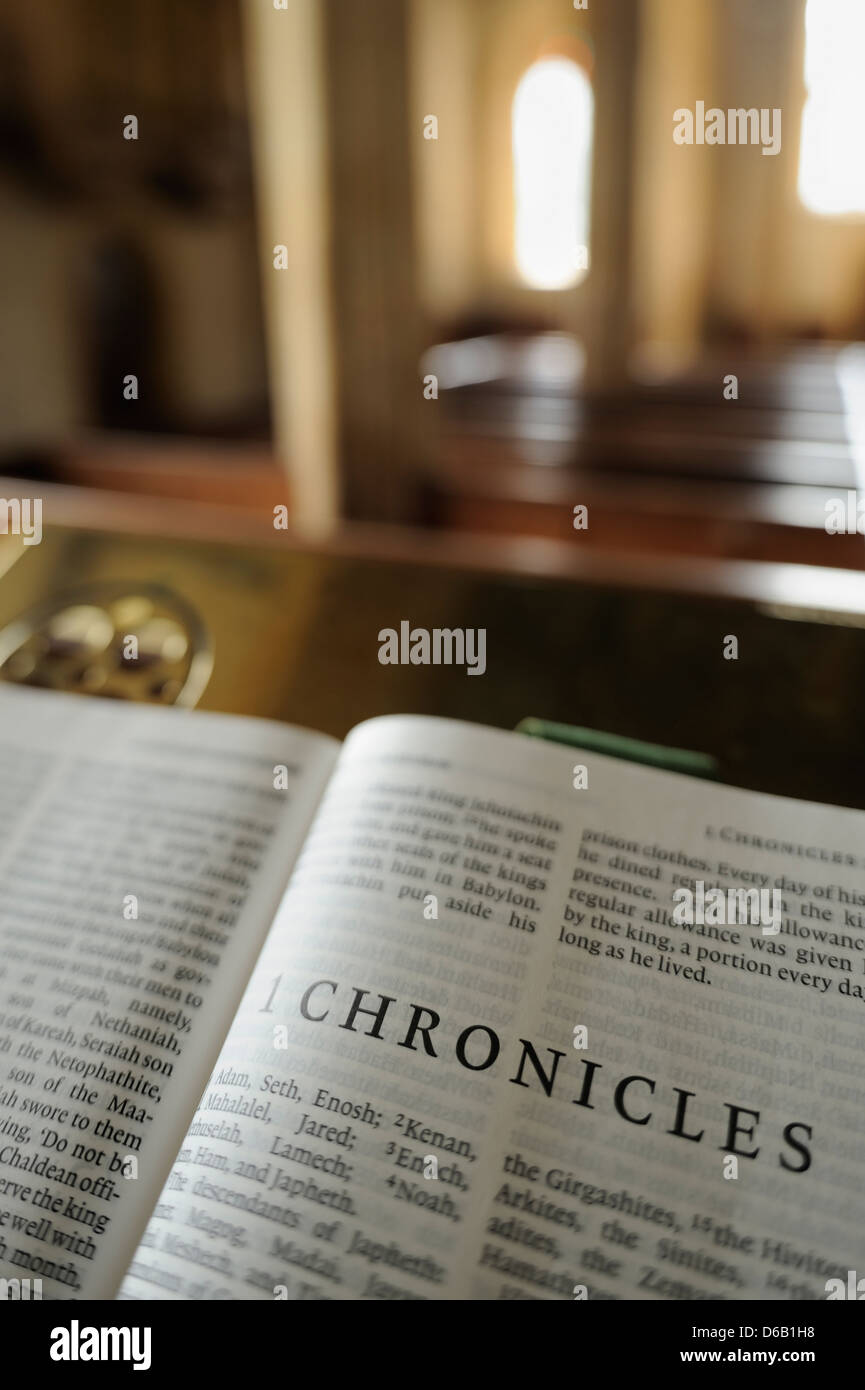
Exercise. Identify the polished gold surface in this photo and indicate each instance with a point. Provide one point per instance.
(294, 636)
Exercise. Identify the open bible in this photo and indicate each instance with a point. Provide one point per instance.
(414, 1017)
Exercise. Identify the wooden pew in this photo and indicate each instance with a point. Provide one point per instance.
(668, 467)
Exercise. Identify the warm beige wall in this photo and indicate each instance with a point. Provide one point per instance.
(208, 341)
(673, 206)
(211, 345)
(468, 57)
(719, 235)
(751, 228)
(443, 54)
(41, 382)
(817, 273)
(774, 267)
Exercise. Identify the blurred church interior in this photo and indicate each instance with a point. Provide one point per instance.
(440, 263)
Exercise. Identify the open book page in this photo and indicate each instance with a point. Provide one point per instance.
(142, 855)
(534, 1082)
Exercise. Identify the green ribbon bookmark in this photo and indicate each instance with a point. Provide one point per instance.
(630, 749)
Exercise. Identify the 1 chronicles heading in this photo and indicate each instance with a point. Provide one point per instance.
(635, 1099)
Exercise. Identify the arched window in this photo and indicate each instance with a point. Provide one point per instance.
(552, 146)
(831, 167)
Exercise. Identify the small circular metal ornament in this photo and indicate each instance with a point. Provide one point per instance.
(140, 642)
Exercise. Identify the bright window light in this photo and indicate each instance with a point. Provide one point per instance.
(831, 166)
(552, 144)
